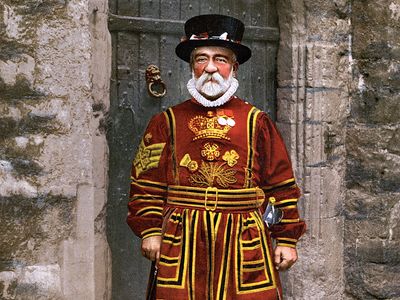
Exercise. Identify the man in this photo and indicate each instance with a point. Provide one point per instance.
(203, 176)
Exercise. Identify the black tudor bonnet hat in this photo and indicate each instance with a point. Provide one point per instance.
(213, 30)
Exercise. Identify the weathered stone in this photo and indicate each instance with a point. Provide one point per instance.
(52, 71)
(31, 124)
(363, 206)
(374, 70)
(376, 28)
(32, 282)
(369, 276)
(321, 46)
(20, 90)
(317, 280)
(377, 107)
(24, 235)
(371, 164)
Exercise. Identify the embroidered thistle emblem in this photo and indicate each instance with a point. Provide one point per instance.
(231, 157)
(213, 172)
(187, 162)
(210, 151)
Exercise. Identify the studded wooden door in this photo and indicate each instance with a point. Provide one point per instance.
(146, 32)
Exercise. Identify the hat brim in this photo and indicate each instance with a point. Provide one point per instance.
(185, 48)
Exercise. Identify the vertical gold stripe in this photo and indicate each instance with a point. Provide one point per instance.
(253, 142)
(222, 274)
(251, 127)
(208, 257)
(212, 259)
(238, 254)
(195, 219)
(172, 126)
(186, 244)
(268, 256)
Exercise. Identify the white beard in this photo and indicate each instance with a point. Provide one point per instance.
(226, 96)
(212, 89)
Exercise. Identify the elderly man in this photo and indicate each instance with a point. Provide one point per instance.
(205, 173)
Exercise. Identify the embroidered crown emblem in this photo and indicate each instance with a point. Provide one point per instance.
(208, 127)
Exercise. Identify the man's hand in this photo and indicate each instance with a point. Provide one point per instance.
(151, 248)
(285, 257)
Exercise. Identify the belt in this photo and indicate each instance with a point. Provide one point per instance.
(215, 199)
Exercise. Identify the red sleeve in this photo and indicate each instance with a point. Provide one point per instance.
(149, 180)
(278, 183)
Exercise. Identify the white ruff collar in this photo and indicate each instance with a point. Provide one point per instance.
(217, 102)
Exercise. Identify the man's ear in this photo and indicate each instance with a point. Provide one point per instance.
(235, 68)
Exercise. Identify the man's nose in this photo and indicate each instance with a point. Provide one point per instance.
(211, 68)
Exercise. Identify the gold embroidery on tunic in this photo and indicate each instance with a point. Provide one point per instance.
(213, 172)
(248, 180)
(148, 157)
(231, 157)
(208, 127)
(187, 162)
(210, 151)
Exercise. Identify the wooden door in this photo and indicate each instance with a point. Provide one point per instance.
(146, 32)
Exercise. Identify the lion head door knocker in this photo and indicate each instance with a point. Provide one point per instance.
(155, 85)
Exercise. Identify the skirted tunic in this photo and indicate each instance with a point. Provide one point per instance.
(201, 179)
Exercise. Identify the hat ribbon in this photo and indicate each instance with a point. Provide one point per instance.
(204, 36)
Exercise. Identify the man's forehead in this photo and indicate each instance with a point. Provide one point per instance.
(213, 50)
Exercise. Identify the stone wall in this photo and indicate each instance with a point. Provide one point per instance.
(54, 77)
(338, 107)
(313, 95)
(338, 103)
(372, 204)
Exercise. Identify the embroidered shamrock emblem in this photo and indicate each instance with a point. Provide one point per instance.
(231, 157)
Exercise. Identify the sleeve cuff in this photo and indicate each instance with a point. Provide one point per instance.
(150, 232)
(286, 242)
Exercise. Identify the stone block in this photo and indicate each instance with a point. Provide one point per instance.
(32, 228)
(371, 166)
(317, 275)
(326, 105)
(323, 194)
(314, 144)
(326, 67)
(374, 30)
(290, 63)
(369, 207)
(377, 100)
(394, 223)
(374, 71)
(332, 193)
(289, 133)
(289, 105)
(372, 269)
(376, 107)
(373, 137)
(393, 145)
(31, 282)
(330, 28)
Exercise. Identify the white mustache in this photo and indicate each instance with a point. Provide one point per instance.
(206, 77)
(205, 85)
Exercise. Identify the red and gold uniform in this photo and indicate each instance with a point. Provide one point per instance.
(202, 178)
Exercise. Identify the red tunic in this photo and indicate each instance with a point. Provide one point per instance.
(202, 178)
